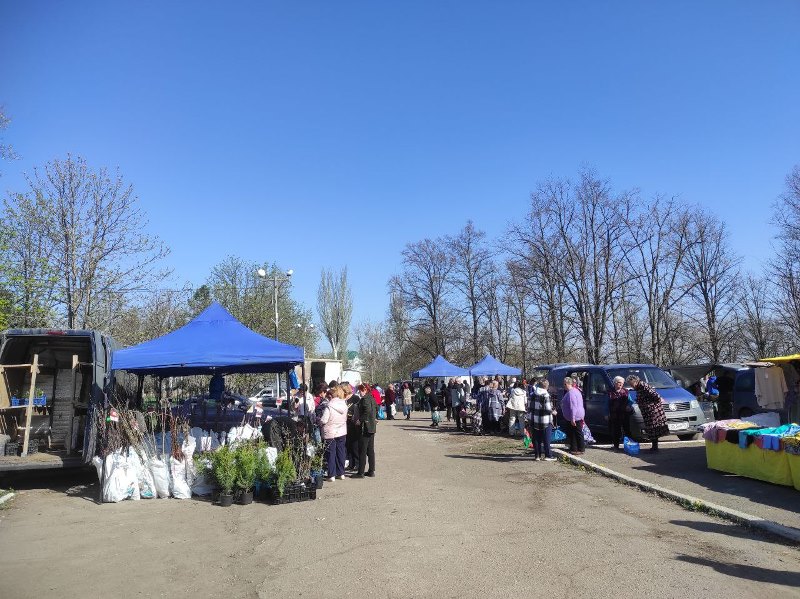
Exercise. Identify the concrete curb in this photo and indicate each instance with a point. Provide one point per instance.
(787, 533)
(6, 497)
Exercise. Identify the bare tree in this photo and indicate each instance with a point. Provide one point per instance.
(375, 351)
(759, 332)
(712, 280)
(335, 309)
(424, 289)
(659, 236)
(98, 236)
(472, 264)
(27, 270)
(6, 151)
(785, 266)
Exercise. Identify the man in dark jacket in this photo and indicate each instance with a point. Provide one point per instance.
(367, 413)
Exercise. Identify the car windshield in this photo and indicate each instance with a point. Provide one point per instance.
(539, 373)
(650, 375)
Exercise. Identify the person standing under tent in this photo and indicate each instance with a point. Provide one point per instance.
(650, 405)
(619, 411)
(408, 402)
(573, 411)
(542, 414)
(367, 413)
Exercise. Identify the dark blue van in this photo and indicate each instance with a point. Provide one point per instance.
(684, 412)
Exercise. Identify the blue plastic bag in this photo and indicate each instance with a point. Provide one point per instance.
(558, 435)
(630, 446)
(381, 413)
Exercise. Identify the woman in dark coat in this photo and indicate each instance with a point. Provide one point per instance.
(619, 411)
(353, 441)
(655, 420)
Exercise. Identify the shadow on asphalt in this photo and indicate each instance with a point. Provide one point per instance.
(80, 483)
(752, 573)
(729, 530)
(689, 463)
(492, 457)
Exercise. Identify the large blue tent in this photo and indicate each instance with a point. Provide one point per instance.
(213, 342)
(439, 367)
(491, 366)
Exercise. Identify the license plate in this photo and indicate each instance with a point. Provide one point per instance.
(677, 426)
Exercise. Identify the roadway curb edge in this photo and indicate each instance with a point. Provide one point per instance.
(687, 501)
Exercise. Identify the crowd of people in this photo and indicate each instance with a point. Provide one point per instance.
(521, 406)
(344, 418)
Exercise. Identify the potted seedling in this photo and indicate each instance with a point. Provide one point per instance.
(285, 473)
(224, 469)
(264, 470)
(317, 475)
(245, 472)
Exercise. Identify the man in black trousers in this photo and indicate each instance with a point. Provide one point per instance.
(367, 412)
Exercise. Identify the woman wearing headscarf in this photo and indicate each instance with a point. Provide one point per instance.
(618, 411)
(649, 401)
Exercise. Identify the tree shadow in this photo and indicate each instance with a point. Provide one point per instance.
(79, 482)
(745, 571)
(492, 457)
(689, 463)
(732, 530)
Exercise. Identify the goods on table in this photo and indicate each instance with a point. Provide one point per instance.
(771, 454)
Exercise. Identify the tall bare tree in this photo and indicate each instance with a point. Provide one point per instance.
(785, 266)
(712, 280)
(472, 264)
(658, 238)
(335, 309)
(98, 234)
(424, 288)
(27, 270)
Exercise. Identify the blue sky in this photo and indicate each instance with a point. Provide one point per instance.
(324, 134)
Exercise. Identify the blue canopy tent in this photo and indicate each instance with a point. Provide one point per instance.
(491, 366)
(213, 342)
(439, 368)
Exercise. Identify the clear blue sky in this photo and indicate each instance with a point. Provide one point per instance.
(321, 134)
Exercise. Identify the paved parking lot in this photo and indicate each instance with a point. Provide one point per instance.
(447, 516)
(681, 467)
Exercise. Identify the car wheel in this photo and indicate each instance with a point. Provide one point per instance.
(745, 412)
(687, 437)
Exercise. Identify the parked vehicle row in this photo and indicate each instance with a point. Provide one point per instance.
(685, 413)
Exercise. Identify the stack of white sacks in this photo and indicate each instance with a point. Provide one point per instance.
(151, 472)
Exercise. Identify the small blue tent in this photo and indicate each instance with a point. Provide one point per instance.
(439, 367)
(491, 366)
(214, 341)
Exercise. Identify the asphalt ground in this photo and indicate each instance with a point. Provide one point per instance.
(681, 467)
(448, 515)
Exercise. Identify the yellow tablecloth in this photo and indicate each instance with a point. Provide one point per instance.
(766, 465)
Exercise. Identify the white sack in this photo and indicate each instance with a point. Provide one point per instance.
(160, 474)
(180, 485)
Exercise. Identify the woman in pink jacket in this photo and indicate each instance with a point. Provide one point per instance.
(334, 432)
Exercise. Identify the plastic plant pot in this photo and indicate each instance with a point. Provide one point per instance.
(246, 497)
(225, 500)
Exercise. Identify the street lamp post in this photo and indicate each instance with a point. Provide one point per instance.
(277, 280)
